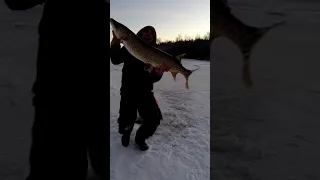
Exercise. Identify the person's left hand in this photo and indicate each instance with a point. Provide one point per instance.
(160, 70)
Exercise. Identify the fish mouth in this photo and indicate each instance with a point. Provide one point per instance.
(113, 23)
(120, 30)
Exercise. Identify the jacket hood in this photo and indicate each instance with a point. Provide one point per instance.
(152, 29)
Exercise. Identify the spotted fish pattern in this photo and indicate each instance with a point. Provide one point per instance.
(150, 55)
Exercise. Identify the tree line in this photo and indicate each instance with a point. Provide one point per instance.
(195, 48)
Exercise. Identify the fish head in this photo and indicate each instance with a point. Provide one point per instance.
(120, 30)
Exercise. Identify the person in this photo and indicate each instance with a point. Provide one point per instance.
(69, 125)
(139, 119)
(137, 91)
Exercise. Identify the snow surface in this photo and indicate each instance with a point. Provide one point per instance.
(270, 132)
(180, 147)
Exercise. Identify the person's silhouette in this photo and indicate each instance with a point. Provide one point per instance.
(137, 91)
(71, 97)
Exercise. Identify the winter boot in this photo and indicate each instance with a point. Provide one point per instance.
(141, 142)
(125, 139)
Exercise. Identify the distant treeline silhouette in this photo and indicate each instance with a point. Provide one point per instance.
(195, 48)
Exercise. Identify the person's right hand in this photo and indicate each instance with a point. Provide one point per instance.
(115, 40)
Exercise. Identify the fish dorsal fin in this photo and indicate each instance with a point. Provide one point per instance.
(179, 57)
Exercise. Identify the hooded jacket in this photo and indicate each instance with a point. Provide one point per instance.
(134, 77)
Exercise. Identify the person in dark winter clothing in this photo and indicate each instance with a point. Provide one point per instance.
(69, 124)
(137, 91)
(139, 119)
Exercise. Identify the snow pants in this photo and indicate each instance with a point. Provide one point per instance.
(148, 109)
(64, 134)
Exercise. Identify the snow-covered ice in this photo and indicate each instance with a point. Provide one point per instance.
(272, 131)
(180, 147)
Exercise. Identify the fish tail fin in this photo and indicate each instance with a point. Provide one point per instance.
(267, 29)
(187, 74)
(246, 52)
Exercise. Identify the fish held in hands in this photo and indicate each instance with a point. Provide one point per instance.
(151, 56)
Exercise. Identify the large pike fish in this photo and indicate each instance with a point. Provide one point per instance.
(151, 56)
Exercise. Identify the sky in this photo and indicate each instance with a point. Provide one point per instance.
(169, 17)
